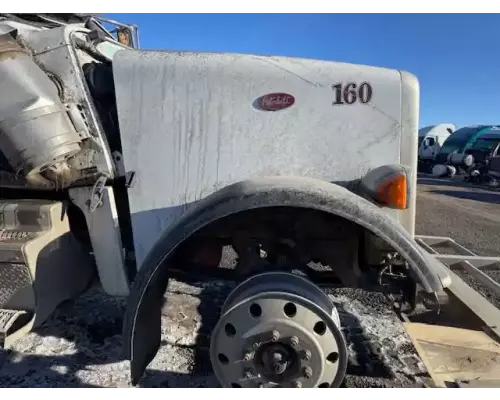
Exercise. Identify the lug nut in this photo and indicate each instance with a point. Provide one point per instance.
(306, 356)
(294, 341)
(297, 384)
(255, 346)
(248, 356)
(308, 373)
(275, 336)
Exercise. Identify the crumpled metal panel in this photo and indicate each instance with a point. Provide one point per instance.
(55, 51)
(35, 130)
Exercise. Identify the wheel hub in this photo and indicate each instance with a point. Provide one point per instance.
(276, 361)
(278, 330)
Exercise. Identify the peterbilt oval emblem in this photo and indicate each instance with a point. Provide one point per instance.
(275, 101)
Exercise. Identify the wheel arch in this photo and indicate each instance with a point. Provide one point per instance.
(141, 327)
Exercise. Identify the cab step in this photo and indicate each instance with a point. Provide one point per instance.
(41, 264)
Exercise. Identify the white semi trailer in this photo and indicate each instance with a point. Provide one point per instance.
(134, 166)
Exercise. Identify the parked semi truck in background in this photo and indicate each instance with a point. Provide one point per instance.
(468, 151)
(461, 140)
(132, 166)
(430, 140)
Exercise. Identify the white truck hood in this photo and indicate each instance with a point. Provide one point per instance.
(192, 123)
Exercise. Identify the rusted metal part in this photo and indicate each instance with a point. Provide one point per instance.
(10, 49)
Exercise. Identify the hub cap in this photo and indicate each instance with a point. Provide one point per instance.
(278, 330)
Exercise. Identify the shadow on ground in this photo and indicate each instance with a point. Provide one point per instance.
(446, 182)
(458, 183)
(81, 345)
(481, 196)
(79, 336)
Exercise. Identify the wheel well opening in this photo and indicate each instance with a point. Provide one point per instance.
(322, 246)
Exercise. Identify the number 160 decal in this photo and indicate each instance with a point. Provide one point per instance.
(351, 93)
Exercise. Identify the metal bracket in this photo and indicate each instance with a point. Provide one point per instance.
(119, 164)
(130, 179)
(455, 257)
(97, 193)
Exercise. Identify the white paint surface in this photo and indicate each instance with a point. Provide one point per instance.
(188, 127)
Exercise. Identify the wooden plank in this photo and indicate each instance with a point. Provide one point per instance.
(454, 354)
(480, 383)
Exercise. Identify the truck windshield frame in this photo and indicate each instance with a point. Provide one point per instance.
(461, 139)
(486, 144)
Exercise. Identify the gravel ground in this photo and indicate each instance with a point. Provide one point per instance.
(493, 274)
(81, 346)
(468, 214)
(485, 291)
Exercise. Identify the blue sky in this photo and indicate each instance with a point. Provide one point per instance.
(456, 57)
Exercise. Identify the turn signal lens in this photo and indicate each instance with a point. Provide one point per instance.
(393, 191)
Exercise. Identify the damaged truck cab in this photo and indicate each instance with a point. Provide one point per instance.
(153, 164)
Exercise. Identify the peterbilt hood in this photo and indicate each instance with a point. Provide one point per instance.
(192, 123)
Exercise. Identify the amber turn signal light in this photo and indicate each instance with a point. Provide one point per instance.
(393, 191)
(387, 185)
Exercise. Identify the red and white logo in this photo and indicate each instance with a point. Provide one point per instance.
(275, 101)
